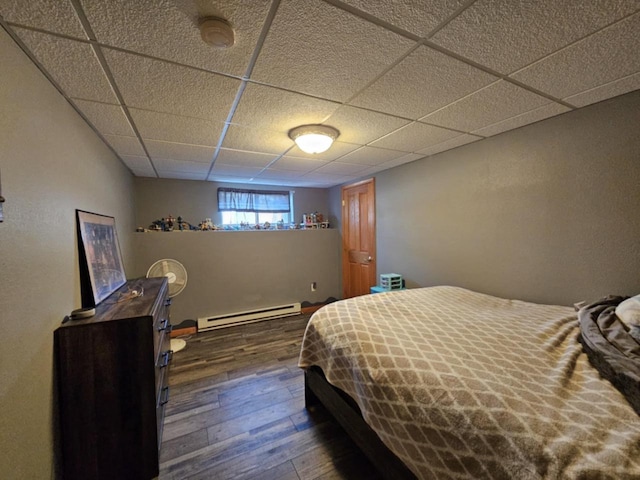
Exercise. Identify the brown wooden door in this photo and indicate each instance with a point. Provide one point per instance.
(358, 238)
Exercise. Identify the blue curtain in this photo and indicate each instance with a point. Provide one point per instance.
(237, 200)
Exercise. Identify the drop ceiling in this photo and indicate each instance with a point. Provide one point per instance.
(401, 80)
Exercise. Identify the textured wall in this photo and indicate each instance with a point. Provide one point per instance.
(197, 200)
(238, 271)
(52, 163)
(547, 213)
(235, 271)
(335, 217)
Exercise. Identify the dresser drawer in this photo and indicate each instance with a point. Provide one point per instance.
(162, 365)
(161, 328)
(163, 398)
(161, 344)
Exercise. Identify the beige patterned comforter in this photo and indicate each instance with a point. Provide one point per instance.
(464, 385)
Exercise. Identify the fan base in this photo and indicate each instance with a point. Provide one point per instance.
(177, 344)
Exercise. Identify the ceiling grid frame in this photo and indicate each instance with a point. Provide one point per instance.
(352, 159)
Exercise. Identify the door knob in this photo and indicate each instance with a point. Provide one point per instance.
(369, 258)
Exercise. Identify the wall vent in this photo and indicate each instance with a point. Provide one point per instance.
(250, 316)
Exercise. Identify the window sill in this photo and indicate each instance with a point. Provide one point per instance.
(223, 230)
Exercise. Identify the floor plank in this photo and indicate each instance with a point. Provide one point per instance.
(236, 411)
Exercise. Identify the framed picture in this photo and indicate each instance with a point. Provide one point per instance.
(101, 267)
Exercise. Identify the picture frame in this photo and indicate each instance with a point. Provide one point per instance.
(101, 267)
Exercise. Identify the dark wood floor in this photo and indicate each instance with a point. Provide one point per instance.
(236, 411)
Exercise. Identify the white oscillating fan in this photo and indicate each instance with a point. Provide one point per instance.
(177, 279)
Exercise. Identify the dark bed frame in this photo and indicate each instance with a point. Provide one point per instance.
(345, 410)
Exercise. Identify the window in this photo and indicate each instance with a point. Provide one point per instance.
(252, 207)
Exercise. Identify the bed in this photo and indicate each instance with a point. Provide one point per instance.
(446, 383)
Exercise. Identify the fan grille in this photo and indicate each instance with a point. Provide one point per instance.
(174, 271)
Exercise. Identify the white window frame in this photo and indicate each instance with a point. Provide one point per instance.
(250, 219)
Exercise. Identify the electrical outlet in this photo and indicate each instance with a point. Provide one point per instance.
(314, 286)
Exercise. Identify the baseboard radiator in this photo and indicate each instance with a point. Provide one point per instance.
(250, 316)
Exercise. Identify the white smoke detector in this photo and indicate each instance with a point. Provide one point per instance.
(216, 32)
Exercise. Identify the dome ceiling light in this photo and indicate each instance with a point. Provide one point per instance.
(313, 138)
(216, 32)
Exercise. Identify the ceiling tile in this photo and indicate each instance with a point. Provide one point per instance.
(449, 144)
(326, 179)
(496, 102)
(418, 18)
(281, 183)
(108, 119)
(506, 35)
(372, 170)
(235, 170)
(316, 56)
(301, 182)
(179, 151)
(172, 33)
(139, 165)
(245, 159)
(256, 140)
(608, 90)
(319, 49)
(56, 16)
(414, 137)
(339, 168)
(360, 126)
(73, 65)
(423, 82)
(337, 150)
(175, 128)
(144, 173)
(599, 59)
(546, 111)
(169, 165)
(275, 174)
(125, 145)
(180, 175)
(162, 87)
(298, 163)
(214, 177)
(286, 109)
(411, 157)
(371, 156)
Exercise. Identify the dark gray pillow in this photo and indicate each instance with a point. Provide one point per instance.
(611, 347)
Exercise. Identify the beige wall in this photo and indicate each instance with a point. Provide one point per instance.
(196, 200)
(235, 271)
(548, 212)
(51, 163)
(335, 217)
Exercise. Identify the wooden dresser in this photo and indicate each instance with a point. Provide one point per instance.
(112, 373)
